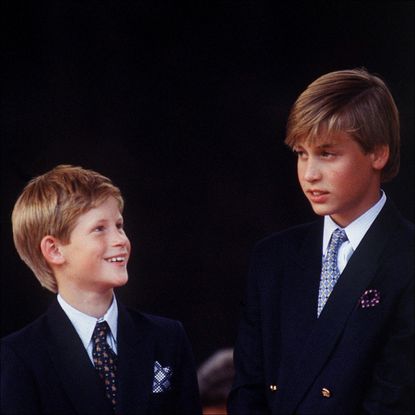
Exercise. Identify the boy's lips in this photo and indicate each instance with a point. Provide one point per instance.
(317, 196)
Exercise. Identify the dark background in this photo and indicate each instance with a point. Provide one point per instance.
(184, 106)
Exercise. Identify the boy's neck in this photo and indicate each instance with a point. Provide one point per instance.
(90, 303)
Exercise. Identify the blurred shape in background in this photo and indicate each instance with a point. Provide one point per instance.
(215, 377)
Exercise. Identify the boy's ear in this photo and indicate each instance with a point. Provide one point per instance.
(380, 156)
(50, 247)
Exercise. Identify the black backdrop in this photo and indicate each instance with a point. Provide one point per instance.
(184, 107)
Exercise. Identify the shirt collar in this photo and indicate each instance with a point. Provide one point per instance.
(85, 324)
(356, 230)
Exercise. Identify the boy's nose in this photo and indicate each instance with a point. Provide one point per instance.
(119, 238)
(311, 172)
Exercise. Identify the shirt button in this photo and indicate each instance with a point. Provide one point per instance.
(273, 388)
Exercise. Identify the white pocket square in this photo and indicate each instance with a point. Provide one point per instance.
(162, 378)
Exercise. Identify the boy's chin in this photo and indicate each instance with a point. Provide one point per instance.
(119, 281)
(320, 210)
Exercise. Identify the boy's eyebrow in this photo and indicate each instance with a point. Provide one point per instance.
(319, 146)
(298, 145)
(95, 222)
(120, 218)
(327, 145)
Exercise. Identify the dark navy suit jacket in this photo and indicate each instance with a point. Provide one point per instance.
(45, 368)
(352, 359)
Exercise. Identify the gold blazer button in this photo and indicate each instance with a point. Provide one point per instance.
(325, 393)
(273, 388)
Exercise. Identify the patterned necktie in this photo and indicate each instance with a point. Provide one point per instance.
(105, 360)
(330, 272)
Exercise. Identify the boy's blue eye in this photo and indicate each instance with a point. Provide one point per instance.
(99, 229)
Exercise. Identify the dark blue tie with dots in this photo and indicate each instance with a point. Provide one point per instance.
(105, 360)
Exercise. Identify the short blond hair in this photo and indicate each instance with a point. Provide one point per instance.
(50, 204)
(351, 101)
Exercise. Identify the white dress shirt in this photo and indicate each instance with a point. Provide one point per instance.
(355, 232)
(85, 324)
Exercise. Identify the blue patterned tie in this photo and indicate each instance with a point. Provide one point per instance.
(105, 360)
(330, 272)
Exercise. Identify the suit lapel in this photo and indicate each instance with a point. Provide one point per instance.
(75, 370)
(299, 299)
(344, 298)
(135, 363)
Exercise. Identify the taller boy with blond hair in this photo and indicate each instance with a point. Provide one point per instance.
(328, 321)
(88, 354)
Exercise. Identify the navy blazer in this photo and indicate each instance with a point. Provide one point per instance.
(45, 368)
(354, 358)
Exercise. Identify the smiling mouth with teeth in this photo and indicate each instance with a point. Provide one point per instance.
(117, 259)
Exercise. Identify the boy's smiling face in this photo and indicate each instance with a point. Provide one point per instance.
(338, 178)
(96, 257)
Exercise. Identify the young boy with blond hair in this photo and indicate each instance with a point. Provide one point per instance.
(88, 354)
(328, 321)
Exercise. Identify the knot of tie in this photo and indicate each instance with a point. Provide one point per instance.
(101, 329)
(105, 360)
(338, 237)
